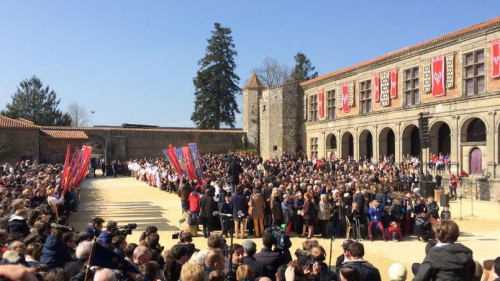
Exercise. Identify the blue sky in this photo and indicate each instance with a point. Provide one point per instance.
(134, 61)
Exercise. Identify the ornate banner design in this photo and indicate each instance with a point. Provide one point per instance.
(197, 162)
(438, 89)
(394, 83)
(384, 91)
(321, 112)
(339, 97)
(345, 97)
(189, 163)
(450, 70)
(495, 58)
(427, 76)
(351, 94)
(376, 85)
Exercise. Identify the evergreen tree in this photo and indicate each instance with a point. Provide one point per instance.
(303, 69)
(216, 83)
(37, 104)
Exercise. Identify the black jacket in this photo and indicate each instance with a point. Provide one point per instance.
(207, 206)
(259, 268)
(239, 203)
(74, 267)
(366, 270)
(18, 224)
(234, 170)
(272, 260)
(451, 262)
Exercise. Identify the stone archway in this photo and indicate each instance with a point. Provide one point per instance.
(411, 141)
(473, 130)
(365, 145)
(331, 141)
(440, 134)
(387, 142)
(347, 145)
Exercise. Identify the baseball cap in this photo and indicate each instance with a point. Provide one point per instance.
(346, 244)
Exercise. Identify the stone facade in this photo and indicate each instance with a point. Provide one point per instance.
(278, 112)
(23, 144)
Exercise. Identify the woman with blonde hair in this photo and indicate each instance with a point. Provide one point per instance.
(245, 272)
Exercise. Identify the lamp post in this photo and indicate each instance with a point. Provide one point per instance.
(92, 118)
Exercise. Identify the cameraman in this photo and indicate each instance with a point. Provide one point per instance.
(271, 258)
(107, 236)
(186, 240)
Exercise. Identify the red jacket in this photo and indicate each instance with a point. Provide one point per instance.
(194, 201)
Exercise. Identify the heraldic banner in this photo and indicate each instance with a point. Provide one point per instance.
(438, 87)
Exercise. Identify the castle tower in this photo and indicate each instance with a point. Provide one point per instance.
(251, 95)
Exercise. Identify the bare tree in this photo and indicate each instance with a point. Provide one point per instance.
(79, 115)
(272, 73)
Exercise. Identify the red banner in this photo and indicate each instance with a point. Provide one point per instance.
(173, 160)
(345, 97)
(189, 163)
(394, 83)
(438, 76)
(495, 58)
(376, 84)
(321, 112)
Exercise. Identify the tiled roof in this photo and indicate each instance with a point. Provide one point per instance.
(426, 44)
(6, 122)
(254, 83)
(138, 129)
(53, 134)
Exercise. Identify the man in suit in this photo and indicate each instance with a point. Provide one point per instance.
(272, 259)
(250, 249)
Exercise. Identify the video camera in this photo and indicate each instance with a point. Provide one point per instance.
(282, 239)
(126, 229)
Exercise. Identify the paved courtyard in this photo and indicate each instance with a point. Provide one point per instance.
(126, 200)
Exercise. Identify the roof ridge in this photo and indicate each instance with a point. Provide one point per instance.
(443, 38)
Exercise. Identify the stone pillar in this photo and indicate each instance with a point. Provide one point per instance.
(376, 145)
(355, 144)
(492, 144)
(456, 153)
(398, 143)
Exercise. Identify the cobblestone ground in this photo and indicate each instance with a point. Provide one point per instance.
(126, 200)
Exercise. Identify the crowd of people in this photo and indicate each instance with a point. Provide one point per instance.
(244, 196)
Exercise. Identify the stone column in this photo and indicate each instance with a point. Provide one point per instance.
(456, 153)
(492, 144)
(375, 145)
(355, 144)
(398, 143)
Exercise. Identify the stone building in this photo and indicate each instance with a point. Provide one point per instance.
(372, 109)
(273, 118)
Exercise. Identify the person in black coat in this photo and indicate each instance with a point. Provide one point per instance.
(259, 268)
(234, 170)
(207, 208)
(272, 259)
(72, 268)
(240, 212)
(366, 270)
(17, 223)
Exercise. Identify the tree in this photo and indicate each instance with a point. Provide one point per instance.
(36, 103)
(271, 73)
(79, 115)
(216, 83)
(303, 69)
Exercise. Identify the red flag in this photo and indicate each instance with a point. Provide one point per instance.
(376, 83)
(394, 83)
(65, 169)
(495, 58)
(173, 159)
(189, 163)
(345, 97)
(438, 76)
(320, 103)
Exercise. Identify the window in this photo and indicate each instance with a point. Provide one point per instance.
(411, 86)
(474, 73)
(330, 104)
(314, 147)
(313, 108)
(365, 96)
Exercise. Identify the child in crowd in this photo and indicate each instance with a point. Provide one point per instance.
(395, 232)
(446, 214)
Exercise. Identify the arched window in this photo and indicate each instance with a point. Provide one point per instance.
(476, 131)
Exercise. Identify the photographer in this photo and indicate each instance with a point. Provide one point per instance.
(271, 258)
(107, 236)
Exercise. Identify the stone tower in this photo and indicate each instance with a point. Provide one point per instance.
(251, 118)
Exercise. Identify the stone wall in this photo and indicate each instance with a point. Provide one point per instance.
(23, 143)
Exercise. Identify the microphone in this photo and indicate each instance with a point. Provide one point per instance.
(216, 214)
